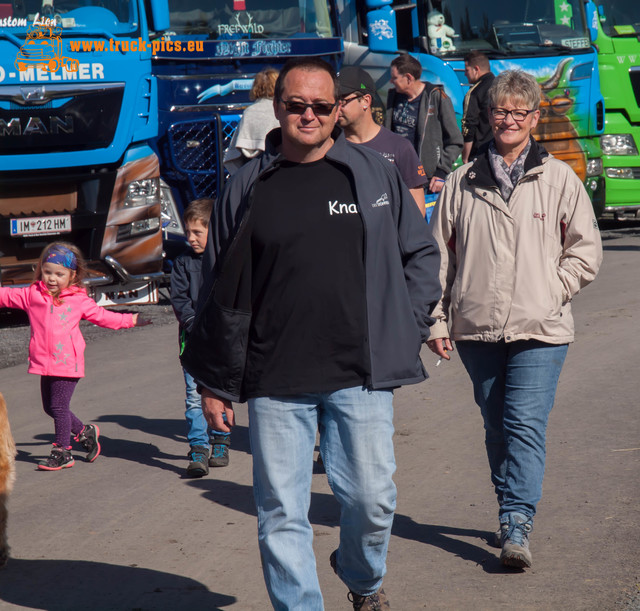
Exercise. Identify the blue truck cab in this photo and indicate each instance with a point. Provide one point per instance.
(78, 105)
(550, 39)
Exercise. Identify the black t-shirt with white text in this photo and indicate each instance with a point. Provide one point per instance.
(308, 326)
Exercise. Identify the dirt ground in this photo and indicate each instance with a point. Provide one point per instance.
(130, 532)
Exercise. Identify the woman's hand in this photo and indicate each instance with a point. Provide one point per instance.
(441, 346)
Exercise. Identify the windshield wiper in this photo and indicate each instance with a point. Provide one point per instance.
(552, 46)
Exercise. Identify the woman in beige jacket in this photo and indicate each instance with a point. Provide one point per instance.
(518, 239)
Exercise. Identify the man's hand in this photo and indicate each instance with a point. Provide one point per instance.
(441, 346)
(213, 408)
(436, 184)
(466, 151)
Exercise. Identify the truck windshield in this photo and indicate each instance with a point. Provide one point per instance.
(233, 19)
(112, 16)
(618, 17)
(511, 27)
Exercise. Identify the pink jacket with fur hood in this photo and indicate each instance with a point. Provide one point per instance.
(56, 347)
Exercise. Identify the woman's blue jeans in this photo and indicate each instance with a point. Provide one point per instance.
(356, 430)
(514, 385)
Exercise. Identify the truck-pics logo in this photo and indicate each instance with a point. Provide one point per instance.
(43, 49)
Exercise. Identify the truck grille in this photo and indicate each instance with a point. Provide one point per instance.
(71, 117)
(197, 148)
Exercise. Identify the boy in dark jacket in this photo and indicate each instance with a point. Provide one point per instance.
(208, 448)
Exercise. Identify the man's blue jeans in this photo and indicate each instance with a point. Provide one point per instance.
(356, 430)
(515, 385)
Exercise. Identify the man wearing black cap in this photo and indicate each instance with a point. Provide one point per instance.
(357, 91)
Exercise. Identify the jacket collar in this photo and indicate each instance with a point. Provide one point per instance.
(480, 174)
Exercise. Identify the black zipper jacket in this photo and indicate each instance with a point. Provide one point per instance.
(402, 263)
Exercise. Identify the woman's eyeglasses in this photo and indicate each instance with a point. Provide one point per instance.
(320, 109)
(518, 114)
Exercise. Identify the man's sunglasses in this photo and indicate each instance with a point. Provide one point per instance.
(319, 109)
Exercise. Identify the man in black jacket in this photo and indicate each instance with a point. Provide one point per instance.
(319, 279)
(423, 113)
(476, 129)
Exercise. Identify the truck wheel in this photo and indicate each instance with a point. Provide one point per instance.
(53, 65)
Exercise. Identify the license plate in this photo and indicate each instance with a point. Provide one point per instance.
(41, 225)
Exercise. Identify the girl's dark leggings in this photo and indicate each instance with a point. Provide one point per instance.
(56, 397)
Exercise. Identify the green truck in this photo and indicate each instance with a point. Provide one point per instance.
(618, 45)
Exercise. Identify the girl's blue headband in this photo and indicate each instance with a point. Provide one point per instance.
(62, 256)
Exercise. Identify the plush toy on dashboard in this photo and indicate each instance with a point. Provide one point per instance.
(440, 35)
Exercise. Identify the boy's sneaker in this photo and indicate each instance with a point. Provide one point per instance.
(88, 439)
(377, 601)
(198, 456)
(219, 450)
(60, 458)
(515, 541)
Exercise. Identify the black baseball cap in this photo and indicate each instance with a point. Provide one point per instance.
(355, 80)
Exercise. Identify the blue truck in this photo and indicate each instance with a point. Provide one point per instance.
(551, 39)
(201, 94)
(78, 107)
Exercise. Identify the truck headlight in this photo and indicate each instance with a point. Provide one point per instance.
(169, 212)
(620, 173)
(594, 167)
(618, 144)
(137, 229)
(143, 192)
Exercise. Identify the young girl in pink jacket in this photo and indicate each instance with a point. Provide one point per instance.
(55, 303)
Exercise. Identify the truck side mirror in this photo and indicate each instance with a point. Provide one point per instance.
(591, 13)
(159, 15)
(382, 30)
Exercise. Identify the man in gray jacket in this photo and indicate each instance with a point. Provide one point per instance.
(423, 113)
(319, 281)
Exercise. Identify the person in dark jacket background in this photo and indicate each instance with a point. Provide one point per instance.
(207, 448)
(476, 128)
(423, 113)
(319, 278)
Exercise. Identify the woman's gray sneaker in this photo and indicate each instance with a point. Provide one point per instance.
(515, 540)
(495, 539)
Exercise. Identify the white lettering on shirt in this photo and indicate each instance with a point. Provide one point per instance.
(336, 208)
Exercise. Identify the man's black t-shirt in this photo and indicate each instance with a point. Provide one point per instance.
(308, 329)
